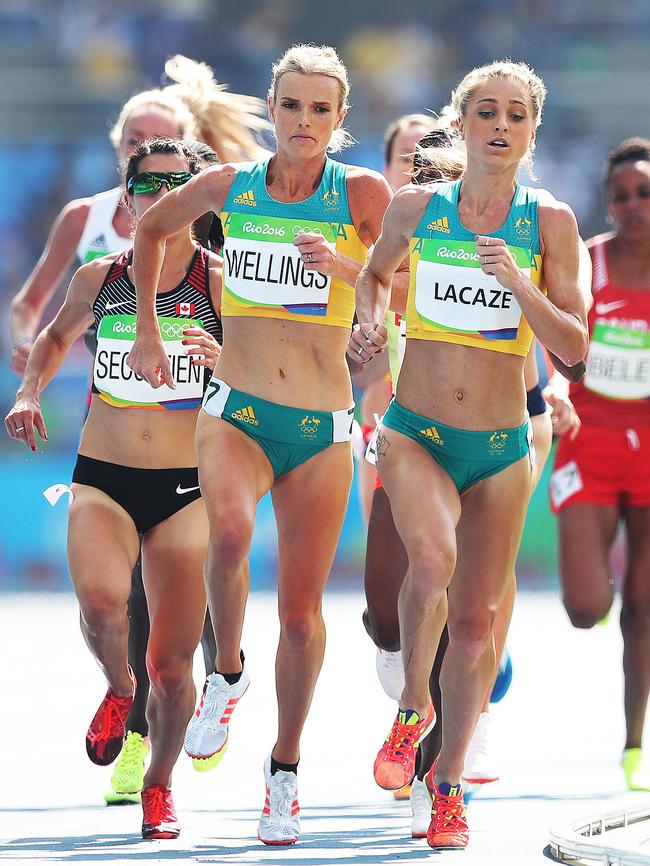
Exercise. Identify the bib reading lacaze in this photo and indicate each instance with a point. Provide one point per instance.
(451, 299)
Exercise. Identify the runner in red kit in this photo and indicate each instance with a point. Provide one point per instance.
(602, 473)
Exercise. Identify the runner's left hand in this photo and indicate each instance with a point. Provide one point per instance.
(202, 346)
(316, 253)
(496, 260)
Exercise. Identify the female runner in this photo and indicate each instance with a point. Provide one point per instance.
(492, 262)
(602, 471)
(278, 414)
(136, 477)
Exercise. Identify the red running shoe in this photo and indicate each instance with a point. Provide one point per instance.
(448, 828)
(159, 819)
(105, 736)
(395, 763)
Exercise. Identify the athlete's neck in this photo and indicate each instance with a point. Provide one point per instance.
(289, 179)
(632, 248)
(482, 192)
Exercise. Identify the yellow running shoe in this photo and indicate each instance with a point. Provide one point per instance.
(635, 770)
(128, 775)
(204, 765)
(402, 793)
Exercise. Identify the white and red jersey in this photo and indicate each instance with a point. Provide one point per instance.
(615, 391)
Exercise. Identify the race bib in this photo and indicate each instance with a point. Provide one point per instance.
(453, 294)
(262, 266)
(114, 379)
(564, 483)
(618, 363)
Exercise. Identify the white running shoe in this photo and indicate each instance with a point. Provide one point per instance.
(280, 820)
(420, 809)
(480, 764)
(390, 670)
(207, 731)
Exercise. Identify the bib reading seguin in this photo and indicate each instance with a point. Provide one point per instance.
(115, 380)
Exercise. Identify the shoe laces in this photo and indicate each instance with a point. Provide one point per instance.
(282, 793)
(401, 740)
(215, 698)
(158, 807)
(110, 721)
(448, 813)
(131, 756)
(392, 661)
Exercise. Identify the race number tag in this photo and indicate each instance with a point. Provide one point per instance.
(453, 294)
(564, 483)
(114, 379)
(263, 267)
(618, 363)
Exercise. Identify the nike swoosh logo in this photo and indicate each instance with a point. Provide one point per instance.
(602, 309)
(120, 304)
(180, 489)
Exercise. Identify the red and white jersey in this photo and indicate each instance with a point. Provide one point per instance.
(615, 391)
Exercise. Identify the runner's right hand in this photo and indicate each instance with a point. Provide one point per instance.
(148, 359)
(23, 420)
(366, 340)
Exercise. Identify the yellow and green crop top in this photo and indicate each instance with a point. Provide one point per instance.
(450, 298)
(263, 274)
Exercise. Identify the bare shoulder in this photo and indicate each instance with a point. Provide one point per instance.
(597, 240)
(219, 178)
(555, 216)
(88, 279)
(74, 215)
(361, 179)
(215, 264)
(410, 202)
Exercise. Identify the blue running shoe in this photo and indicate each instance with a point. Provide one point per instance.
(504, 678)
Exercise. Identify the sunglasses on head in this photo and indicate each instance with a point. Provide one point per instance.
(150, 182)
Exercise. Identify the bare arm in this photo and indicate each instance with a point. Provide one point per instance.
(172, 213)
(575, 373)
(376, 277)
(28, 305)
(558, 319)
(50, 349)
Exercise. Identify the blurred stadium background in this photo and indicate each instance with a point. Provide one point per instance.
(66, 67)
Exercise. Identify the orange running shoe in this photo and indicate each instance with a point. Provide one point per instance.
(159, 819)
(395, 763)
(105, 736)
(448, 828)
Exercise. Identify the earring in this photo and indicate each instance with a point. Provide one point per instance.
(609, 219)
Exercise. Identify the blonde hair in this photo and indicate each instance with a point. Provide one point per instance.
(231, 123)
(518, 72)
(156, 98)
(316, 60)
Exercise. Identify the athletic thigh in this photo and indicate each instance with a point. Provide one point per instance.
(586, 534)
(386, 563)
(103, 547)
(234, 474)
(424, 500)
(173, 553)
(310, 503)
(488, 534)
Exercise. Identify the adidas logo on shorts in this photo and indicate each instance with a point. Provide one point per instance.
(246, 414)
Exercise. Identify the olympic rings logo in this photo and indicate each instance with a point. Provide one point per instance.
(173, 330)
(307, 230)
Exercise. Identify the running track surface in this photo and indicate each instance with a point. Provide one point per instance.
(560, 731)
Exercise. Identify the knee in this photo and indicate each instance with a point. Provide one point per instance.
(102, 610)
(430, 570)
(300, 627)
(471, 636)
(230, 539)
(585, 613)
(168, 674)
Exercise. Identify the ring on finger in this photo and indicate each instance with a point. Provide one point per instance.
(18, 429)
(487, 242)
(360, 350)
(366, 334)
(308, 258)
